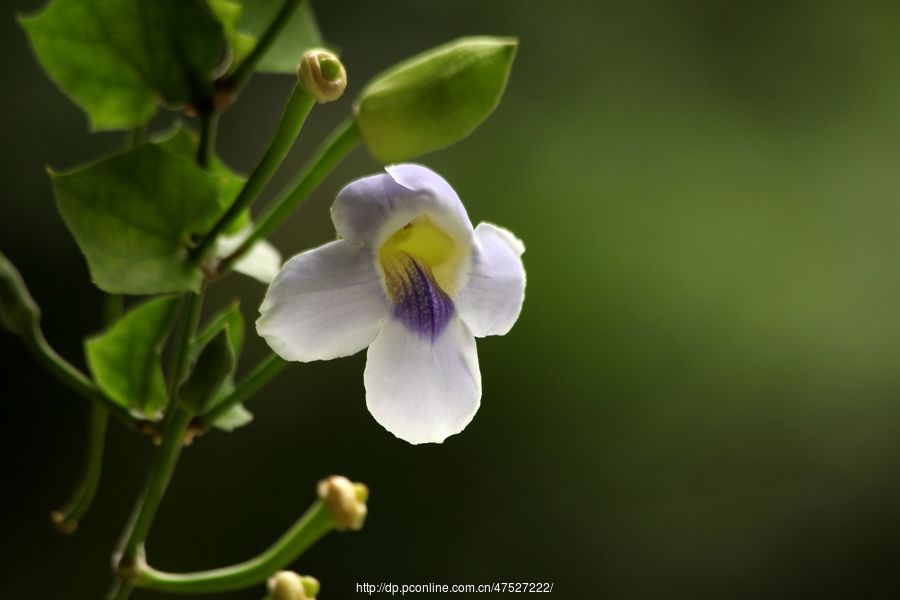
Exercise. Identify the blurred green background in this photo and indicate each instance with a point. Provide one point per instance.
(702, 396)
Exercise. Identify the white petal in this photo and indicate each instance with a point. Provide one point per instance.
(419, 389)
(325, 303)
(262, 262)
(492, 299)
(368, 210)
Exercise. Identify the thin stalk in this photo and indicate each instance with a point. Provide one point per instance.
(136, 137)
(295, 112)
(176, 422)
(242, 73)
(208, 121)
(72, 377)
(182, 354)
(335, 148)
(160, 474)
(315, 523)
(250, 385)
(120, 591)
(66, 518)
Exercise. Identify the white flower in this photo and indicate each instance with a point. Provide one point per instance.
(412, 280)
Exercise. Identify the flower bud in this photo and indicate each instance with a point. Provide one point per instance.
(345, 500)
(433, 99)
(18, 311)
(287, 585)
(322, 75)
(214, 365)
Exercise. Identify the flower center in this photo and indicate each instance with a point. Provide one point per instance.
(420, 269)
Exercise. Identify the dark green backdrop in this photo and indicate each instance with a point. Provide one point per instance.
(701, 398)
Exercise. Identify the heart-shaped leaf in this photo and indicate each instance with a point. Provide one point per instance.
(125, 359)
(133, 216)
(117, 59)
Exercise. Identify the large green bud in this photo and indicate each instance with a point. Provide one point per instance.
(434, 99)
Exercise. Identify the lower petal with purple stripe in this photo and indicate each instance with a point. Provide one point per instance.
(418, 301)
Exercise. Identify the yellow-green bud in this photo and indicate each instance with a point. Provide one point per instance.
(322, 75)
(18, 311)
(287, 585)
(434, 99)
(345, 500)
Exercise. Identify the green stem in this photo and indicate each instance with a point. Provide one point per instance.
(295, 112)
(341, 142)
(252, 383)
(315, 523)
(136, 137)
(183, 344)
(66, 518)
(72, 377)
(242, 73)
(208, 120)
(160, 474)
(121, 590)
(176, 422)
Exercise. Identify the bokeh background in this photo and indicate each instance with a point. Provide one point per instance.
(701, 398)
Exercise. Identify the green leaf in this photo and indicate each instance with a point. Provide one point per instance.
(125, 359)
(246, 20)
(19, 312)
(263, 261)
(117, 58)
(182, 143)
(234, 417)
(434, 99)
(132, 216)
(215, 365)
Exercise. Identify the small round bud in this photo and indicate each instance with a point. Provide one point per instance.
(322, 75)
(62, 524)
(287, 585)
(345, 500)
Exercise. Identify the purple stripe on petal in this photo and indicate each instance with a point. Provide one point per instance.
(419, 303)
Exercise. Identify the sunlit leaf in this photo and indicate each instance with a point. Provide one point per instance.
(117, 59)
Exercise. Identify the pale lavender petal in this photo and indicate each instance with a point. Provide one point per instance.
(371, 208)
(492, 299)
(325, 303)
(420, 389)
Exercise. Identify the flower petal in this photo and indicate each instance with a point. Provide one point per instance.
(369, 209)
(492, 299)
(325, 303)
(419, 389)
